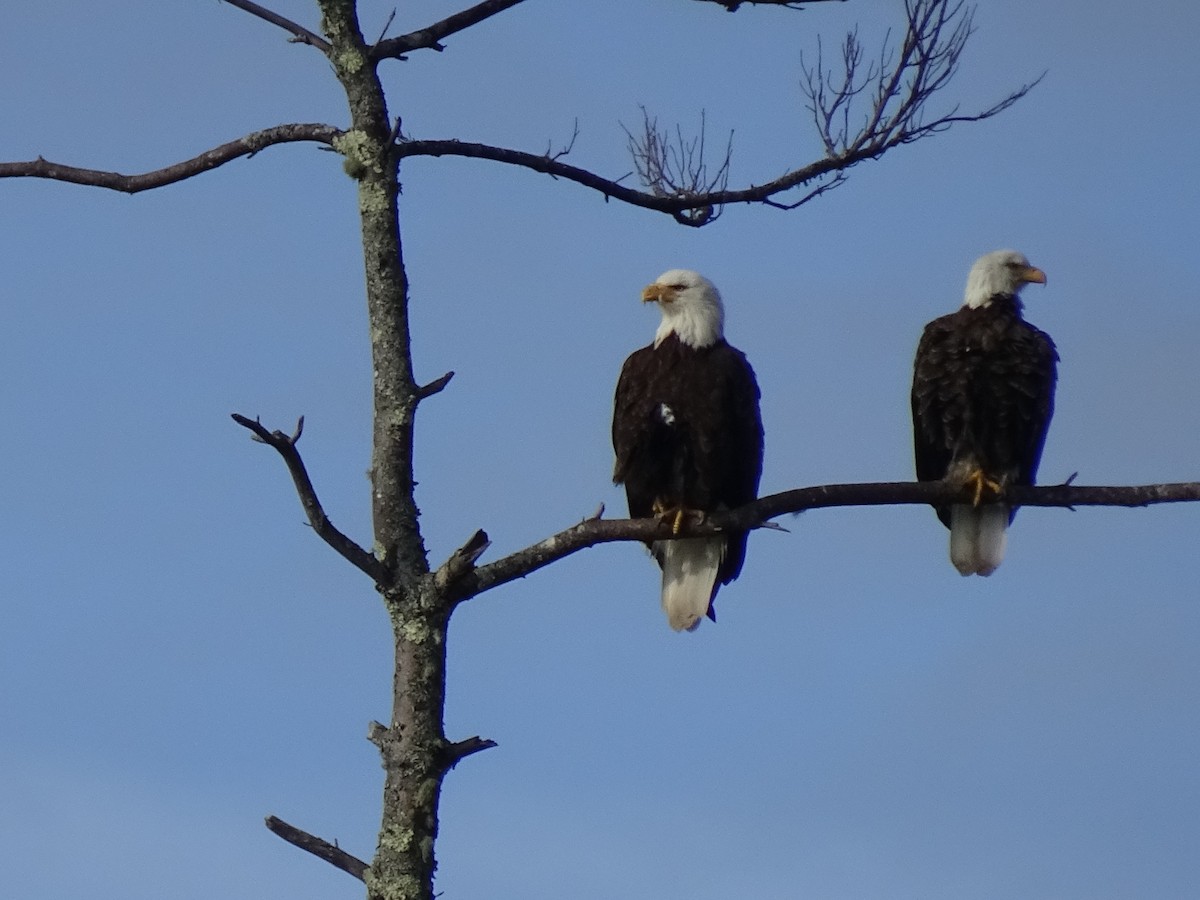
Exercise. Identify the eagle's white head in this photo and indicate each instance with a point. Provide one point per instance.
(1001, 272)
(691, 308)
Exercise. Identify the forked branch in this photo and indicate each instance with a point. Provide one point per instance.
(210, 159)
(593, 531)
(285, 445)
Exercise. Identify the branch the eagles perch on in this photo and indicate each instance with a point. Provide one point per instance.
(461, 578)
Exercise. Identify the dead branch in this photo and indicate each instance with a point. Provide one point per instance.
(331, 853)
(675, 172)
(300, 34)
(285, 445)
(210, 159)
(591, 532)
(430, 38)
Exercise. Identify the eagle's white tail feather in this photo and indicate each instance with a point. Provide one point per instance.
(964, 532)
(978, 537)
(689, 569)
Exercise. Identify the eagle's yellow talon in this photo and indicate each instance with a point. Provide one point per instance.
(982, 483)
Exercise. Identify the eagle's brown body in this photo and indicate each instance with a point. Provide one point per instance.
(688, 435)
(982, 395)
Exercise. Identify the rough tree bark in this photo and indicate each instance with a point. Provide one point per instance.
(415, 751)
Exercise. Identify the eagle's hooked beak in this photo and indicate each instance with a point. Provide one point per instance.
(1033, 275)
(656, 292)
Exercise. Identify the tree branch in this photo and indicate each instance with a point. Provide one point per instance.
(462, 560)
(430, 38)
(434, 387)
(300, 34)
(692, 210)
(590, 532)
(286, 446)
(210, 159)
(460, 750)
(331, 853)
(900, 84)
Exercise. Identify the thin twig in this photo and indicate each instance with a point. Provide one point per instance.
(678, 167)
(286, 447)
(319, 847)
(210, 159)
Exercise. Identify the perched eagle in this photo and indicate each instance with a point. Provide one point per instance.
(688, 439)
(982, 397)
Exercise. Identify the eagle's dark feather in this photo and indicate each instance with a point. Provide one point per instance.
(983, 391)
(687, 433)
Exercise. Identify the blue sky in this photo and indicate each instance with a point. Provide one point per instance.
(179, 656)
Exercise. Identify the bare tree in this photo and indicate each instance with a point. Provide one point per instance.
(861, 111)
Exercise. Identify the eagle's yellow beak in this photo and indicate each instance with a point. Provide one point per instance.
(1034, 275)
(657, 292)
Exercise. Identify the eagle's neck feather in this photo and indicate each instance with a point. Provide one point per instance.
(694, 327)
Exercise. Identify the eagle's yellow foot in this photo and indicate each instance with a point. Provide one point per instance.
(676, 515)
(979, 481)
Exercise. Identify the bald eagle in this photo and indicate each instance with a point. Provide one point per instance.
(982, 397)
(688, 439)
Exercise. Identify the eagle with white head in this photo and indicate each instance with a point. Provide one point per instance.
(688, 438)
(982, 398)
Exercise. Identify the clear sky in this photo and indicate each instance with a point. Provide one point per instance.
(180, 656)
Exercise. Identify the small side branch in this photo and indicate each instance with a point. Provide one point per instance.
(434, 387)
(461, 561)
(300, 34)
(331, 853)
(457, 752)
(210, 159)
(430, 38)
(593, 531)
(285, 445)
